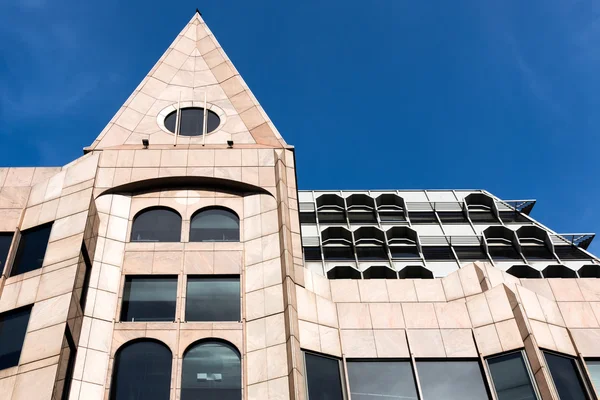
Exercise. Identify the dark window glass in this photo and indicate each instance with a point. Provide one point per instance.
(513, 217)
(338, 253)
(86, 277)
(524, 271)
(331, 217)
(191, 121)
(392, 216)
(453, 217)
(379, 272)
(308, 218)
(422, 217)
(32, 249)
(211, 371)
(501, 253)
(451, 380)
(13, 326)
(142, 371)
(213, 298)
(323, 378)
(377, 380)
(589, 271)
(156, 225)
(356, 217)
(215, 225)
(149, 298)
(415, 272)
(594, 369)
(470, 253)
(343, 273)
(371, 253)
(312, 253)
(482, 217)
(400, 252)
(438, 253)
(5, 242)
(71, 355)
(565, 376)
(511, 378)
(536, 253)
(570, 253)
(558, 271)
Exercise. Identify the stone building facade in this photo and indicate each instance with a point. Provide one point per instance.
(164, 266)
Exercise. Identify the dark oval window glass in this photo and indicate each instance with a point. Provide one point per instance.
(192, 120)
(215, 225)
(156, 225)
(211, 371)
(142, 371)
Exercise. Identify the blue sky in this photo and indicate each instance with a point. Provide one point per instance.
(393, 94)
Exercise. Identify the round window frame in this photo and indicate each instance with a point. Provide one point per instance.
(165, 112)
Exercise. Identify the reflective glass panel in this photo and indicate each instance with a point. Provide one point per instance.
(215, 225)
(323, 378)
(213, 298)
(565, 376)
(594, 369)
(13, 326)
(156, 225)
(376, 380)
(191, 121)
(211, 371)
(32, 249)
(5, 242)
(149, 298)
(511, 378)
(451, 380)
(142, 371)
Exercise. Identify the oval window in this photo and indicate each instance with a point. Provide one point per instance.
(191, 121)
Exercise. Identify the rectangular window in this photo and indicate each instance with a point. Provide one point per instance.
(438, 253)
(565, 375)
(534, 253)
(362, 217)
(338, 253)
(5, 242)
(32, 249)
(149, 298)
(423, 217)
(511, 377)
(323, 378)
(453, 217)
(403, 252)
(392, 216)
(371, 253)
(482, 217)
(570, 253)
(470, 253)
(308, 218)
(378, 380)
(13, 326)
(451, 380)
(213, 298)
(332, 217)
(312, 253)
(504, 253)
(594, 369)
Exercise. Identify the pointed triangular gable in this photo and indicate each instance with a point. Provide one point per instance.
(193, 65)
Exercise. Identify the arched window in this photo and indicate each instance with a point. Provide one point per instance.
(156, 224)
(211, 371)
(142, 371)
(215, 225)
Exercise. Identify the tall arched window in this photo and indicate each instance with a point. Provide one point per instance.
(215, 224)
(156, 224)
(211, 371)
(142, 371)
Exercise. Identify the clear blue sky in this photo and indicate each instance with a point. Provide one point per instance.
(499, 95)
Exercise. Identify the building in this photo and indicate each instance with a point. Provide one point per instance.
(189, 266)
